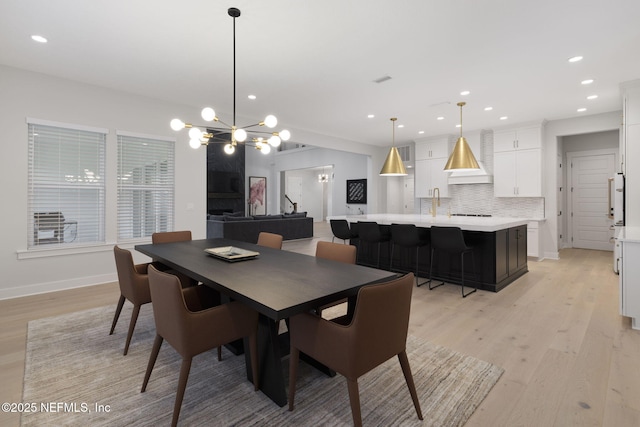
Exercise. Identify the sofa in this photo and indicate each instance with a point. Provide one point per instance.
(246, 228)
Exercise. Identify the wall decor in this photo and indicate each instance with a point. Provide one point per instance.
(257, 195)
(357, 191)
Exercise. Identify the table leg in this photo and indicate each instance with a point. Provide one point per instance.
(269, 361)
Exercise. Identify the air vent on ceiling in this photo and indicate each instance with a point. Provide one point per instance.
(405, 153)
(382, 79)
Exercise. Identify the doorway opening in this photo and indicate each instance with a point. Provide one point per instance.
(307, 190)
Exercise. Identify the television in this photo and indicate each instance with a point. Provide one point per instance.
(224, 185)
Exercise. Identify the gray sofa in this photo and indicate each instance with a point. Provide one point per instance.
(247, 228)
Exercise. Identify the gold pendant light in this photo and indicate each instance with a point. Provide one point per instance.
(393, 166)
(461, 157)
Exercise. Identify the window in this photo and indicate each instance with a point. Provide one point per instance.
(66, 194)
(145, 186)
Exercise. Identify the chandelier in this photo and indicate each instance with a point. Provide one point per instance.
(232, 134)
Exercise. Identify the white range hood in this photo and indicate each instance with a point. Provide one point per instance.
(479, 176)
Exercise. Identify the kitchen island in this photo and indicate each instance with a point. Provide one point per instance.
(499, 248)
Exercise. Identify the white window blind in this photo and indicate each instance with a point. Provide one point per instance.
(66, 194)
(145, 186)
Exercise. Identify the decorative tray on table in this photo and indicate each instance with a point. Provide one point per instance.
(231, 253)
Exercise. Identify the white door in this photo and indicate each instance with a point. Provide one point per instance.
(591, 225)
(409, 200)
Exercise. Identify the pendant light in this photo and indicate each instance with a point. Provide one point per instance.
(393, 166)
(461, 157)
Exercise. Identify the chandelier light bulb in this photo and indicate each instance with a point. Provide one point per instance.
(265, 149)
(208, 114)
(195, 143)
(284, 135)
(240, 135)
(270, 121)
(274, 141)
(195, 133)
(229, 149)
(177, 124)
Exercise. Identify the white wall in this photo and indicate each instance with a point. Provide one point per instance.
(26, 94)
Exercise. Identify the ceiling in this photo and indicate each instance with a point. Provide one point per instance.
(313, 64)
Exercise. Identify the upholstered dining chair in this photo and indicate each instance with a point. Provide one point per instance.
(270, 240)
(376, 333)
(192, 323)
(134, 286)
(171, 237)
(335, 252)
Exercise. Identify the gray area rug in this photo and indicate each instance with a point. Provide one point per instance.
(78, 370)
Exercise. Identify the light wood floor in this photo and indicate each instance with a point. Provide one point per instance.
(570, 359)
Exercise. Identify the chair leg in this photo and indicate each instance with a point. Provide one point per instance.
(294, 356)
(117, 315)
(182, 385)
(462, 264)
(431, 273)
(219, 353)
(354, 399)
(406, 370)
(152, 361)
(132, 326)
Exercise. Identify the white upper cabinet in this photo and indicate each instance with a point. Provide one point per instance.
(432, 148)
(517, 162)
(517, 139)
(431, 157)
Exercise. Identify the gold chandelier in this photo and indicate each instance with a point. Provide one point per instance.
(261, 140)
(461, 157)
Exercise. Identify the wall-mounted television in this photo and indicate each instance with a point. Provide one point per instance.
(224, 185)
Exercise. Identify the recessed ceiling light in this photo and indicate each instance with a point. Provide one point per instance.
(370, 116)
(581, 110)
(587, 82)
(458, 125)
(421, 132)
(575, 59)
(465, 93)
(400, 126)
(592, 96)
(252, 97)
(440, 118)
(488, 108)
(504, 118)
(38, 38)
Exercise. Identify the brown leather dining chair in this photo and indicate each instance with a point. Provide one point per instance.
(376, 333)
(134, 286)
(192, 322)
(270, 240)
(335, 252)
(171, 237)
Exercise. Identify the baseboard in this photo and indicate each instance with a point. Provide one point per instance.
(61, 285)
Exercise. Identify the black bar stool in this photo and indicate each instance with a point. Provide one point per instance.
(340, 229)
(451, 241)
(369, 232)
(411, 237)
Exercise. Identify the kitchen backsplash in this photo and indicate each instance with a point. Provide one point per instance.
(478, 199)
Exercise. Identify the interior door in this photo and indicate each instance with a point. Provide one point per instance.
(408, 197)
(591, 225)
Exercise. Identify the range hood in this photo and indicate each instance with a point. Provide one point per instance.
(478, 176)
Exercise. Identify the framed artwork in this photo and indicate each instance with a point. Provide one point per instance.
(257, 195)
(357, 191)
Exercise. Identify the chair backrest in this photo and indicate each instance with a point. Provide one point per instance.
(369, 231)
(171, 236)
(270, 240)
(380, 323)
(404, 235)
(133, 279)
(448, 239)
(169, 307)
(340, 228)
(336, 252)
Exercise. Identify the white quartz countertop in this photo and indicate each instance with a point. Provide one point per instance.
(629, 234)
(469, 223)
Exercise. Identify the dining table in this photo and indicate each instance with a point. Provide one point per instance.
(276, 283)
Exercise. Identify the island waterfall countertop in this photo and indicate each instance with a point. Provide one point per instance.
(468, 223)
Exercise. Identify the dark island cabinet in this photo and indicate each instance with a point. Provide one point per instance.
(500, 257)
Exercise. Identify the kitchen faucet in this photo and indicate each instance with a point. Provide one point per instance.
(433, 201)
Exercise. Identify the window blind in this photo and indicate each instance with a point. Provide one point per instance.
(145, 186)
(66, 186)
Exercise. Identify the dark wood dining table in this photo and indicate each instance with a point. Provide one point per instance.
(277, 284)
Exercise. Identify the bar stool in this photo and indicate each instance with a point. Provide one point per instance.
(450, 240)
(411, 237)
(369, 232)
(340, 229)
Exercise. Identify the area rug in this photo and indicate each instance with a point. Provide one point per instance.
(76, 375)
